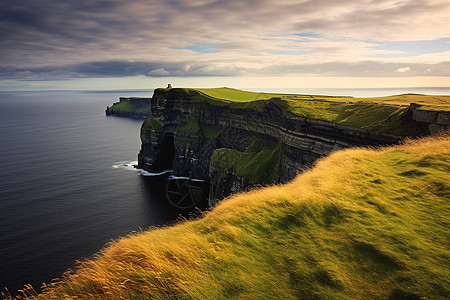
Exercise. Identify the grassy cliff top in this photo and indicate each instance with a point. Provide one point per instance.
(382, 115)
(238, 95)
(361, 224)
(428, 102)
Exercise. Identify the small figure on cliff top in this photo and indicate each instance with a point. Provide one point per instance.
(169, 86)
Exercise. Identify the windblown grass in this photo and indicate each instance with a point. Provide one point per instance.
(361, 224)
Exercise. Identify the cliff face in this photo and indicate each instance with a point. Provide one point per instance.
(433, 121)
(238, 145)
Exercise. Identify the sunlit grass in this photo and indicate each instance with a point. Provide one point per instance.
(361, 224)
(428, 102)
(238, 95)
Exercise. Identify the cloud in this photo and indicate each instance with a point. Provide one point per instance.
(161, 38)
(406, 69)
(158, 72)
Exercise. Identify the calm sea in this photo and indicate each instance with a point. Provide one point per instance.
(64, 189)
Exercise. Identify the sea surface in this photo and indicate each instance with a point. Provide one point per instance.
(66, 184)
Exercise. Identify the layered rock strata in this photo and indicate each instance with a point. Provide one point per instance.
(235, 146)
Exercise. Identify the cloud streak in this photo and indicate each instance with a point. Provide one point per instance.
(96, 38)
(101, 69)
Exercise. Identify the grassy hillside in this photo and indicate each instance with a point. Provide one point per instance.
(129, 106)
(428, 102)
(238, 95)
(361, 224)
(376, 117)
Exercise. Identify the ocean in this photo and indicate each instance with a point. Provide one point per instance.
(67, 186)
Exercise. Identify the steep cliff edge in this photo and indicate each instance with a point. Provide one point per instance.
(238, 144)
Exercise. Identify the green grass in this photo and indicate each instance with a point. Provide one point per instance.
(129, 107)
(237, 95)
(376, 117)
(428, 102)
(361, 224)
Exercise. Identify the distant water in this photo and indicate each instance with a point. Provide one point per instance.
(64, 189)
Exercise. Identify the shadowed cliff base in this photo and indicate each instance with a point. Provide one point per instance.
(361, 224)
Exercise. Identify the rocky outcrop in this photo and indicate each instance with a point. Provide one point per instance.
(238, 145)
(130, 107)
(432, 121)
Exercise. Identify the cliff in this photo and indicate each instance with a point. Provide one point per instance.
(235, 145)
(130, 107)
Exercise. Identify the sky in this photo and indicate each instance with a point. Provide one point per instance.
(116, 44)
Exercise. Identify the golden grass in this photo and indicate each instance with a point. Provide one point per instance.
(361, 224)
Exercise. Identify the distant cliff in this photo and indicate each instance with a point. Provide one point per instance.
(130, 107)
(238, 145)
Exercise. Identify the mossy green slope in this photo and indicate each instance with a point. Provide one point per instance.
(361, 224)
